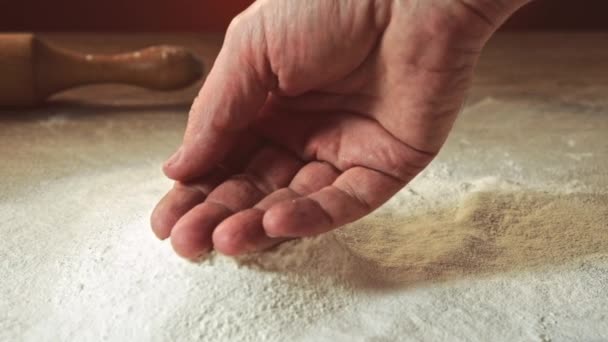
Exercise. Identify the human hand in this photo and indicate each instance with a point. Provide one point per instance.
(316, 113)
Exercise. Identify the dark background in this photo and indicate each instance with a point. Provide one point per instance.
(214, 15)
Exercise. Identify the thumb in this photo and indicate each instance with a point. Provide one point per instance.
(233, 94)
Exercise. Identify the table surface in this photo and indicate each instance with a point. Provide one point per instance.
(85, 169)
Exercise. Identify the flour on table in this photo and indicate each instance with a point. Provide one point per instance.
(501, 243)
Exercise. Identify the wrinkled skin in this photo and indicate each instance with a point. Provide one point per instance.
(315, 113)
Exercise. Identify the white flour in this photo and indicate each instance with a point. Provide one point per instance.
(79, 263)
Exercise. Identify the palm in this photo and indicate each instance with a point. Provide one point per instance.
(342, 130)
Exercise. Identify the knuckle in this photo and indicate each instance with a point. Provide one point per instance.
(235, 25)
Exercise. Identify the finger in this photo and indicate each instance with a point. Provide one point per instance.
(181, 198)
(354, 194)
(270, 169)
(171, 207)
(184, 196)
(244, 231)
(191, 235)
(235, 90)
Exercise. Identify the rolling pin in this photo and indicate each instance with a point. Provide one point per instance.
(32, 70)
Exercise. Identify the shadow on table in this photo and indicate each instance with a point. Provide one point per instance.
(487, 233)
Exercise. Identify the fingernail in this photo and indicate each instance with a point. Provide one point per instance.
(174, 158)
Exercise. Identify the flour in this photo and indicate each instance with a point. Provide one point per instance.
(116, 282)
(488, 232)
(505, 242)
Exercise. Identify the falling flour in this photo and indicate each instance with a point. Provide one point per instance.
(487, 232)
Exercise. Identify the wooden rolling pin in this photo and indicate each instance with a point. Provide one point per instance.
(31, 70)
